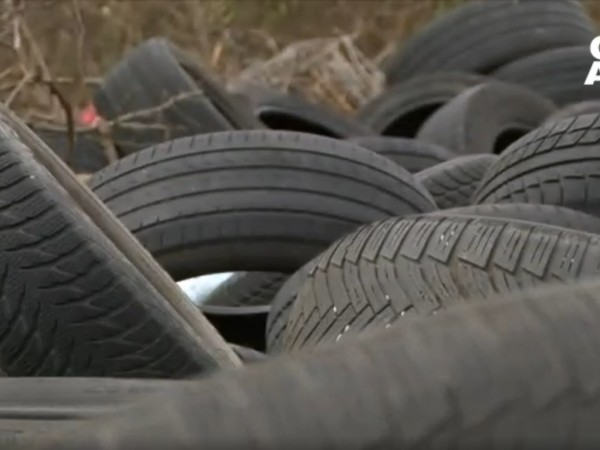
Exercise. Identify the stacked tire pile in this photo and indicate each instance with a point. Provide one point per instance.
(422, 275)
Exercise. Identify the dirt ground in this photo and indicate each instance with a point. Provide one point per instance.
(58, 49)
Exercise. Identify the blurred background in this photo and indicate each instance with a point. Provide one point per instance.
(53, 52)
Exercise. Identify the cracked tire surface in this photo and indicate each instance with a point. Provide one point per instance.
(453, 182)
(252, 200)
(414, 267)
(557, 164)
(514, 373)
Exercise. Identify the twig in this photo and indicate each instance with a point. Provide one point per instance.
(68, 109)
(80, 46)
(24, 81)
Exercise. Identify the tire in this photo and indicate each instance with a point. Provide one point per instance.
(486, 119)
(246, 289)
(574, 110)
(536, 349)
(411, 154)
(62, 399)
(291, 112)
(453, 182)
(481, 37)
(557, 216)
(147, 94)
(419, 266)
(401, 109)
(546, 214)
(557, 74)
(280, 309)
(80, 296)
(252, 200)
(556, 164)
(87, 155)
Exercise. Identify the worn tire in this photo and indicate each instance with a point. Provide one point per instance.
(557, 216)
(411, 154)
(292, 112)
(400, 110)
(480, 37)
(574, 110)
(486, 118)
(153, 81)
(77, 296)
(246, 289)
(557, 164)
(252, 200)
(453, 182)
(546, 214)
(280, 309)
(557, 74)
(519, 372)
(419, 266)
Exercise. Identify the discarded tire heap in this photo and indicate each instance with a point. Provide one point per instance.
(425, 274)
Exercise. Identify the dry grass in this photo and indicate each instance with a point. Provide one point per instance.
(52, 51)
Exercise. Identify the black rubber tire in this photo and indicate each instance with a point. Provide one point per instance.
(557, 216)
(280, 309)
(69, 398)
(157, 77)
(486, 118)
(246, 289)
(520, 372)
(453, 182)
(74, 303)
(411, 154)
(557, 164)
(574, 110)
(419, 266)
(87, 155)
(401, 110)
(547, 214)
(479, 37)
(557, 74)
(292, 112)
(252, 200)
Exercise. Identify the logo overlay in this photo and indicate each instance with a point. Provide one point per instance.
(593, 75)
